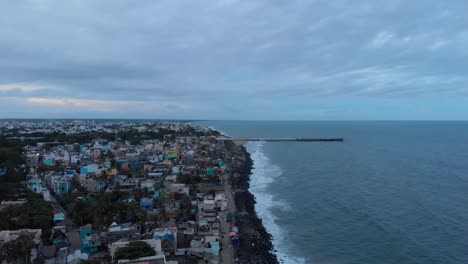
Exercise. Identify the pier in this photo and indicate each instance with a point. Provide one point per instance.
(282, 139)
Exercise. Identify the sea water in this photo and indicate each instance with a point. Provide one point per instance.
(392, 192)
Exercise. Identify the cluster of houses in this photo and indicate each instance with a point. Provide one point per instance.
(181, 178)
(31, 127)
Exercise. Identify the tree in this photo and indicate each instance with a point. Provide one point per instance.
(134, 250)
(92, 261)
(18, 250)
(39, 260)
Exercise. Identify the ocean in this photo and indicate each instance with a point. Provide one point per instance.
(392, 192)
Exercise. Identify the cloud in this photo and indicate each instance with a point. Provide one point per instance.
(207, 58)
(99, 105)
(19, 87)
(438, 44)
(381, 39)
(105, 105)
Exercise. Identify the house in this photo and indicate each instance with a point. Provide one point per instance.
(89, 241)
(178, 188)
(110, 171)
(126, 232)
(175, 170)
(124, 183)
(208, 205)
(171, 179)
(76, 257)
(136, 165)
(91, 168)
(212, 247)
(61, 186)
(35, 185)
(59, 217)
(171, 155)
(74, 159)
(146, 203)
(147, 167)
(90, 183)
(221, 201)
(168, 238)
(48, 161)
(210, 171)
(96, 154)
(70, 172)
(148, 184)
(46, 196)
(172, 207)
(197, 248)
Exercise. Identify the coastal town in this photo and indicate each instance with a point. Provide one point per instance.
(110, 191)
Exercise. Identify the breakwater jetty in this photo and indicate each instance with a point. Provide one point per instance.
(282, 139)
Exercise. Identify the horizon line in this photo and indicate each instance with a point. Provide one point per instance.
(243, 120)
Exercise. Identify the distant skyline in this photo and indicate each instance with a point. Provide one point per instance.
(239, 60)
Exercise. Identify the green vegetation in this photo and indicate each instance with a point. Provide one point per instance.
(17, 251)
(189, 179)
(35, 213)
(10, 160)
(103, 209)
(10, 152)
(134, 250)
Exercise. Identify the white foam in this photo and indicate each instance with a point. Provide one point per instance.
(263, 174)
(220, 131)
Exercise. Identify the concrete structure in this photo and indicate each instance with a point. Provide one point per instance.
(9, 235)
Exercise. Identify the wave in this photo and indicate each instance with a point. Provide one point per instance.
(220, 131)
(263, 174)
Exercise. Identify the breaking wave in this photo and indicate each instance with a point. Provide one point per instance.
(263, 174)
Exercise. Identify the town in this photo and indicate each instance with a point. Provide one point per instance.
(86, 191)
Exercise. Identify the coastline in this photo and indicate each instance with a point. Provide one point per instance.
(255, 242)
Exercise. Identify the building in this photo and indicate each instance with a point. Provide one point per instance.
(61, 186)
(89, 241)
(126, 232)
(35, 185)
(167, 237)
(10, 235)
(146, 203)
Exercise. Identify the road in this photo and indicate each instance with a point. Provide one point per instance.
(227, 253)
(72, 232)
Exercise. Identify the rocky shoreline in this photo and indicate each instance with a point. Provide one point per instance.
(255, 242)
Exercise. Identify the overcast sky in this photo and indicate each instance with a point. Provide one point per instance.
(228, 59)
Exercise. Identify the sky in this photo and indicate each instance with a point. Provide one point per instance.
(232, 59)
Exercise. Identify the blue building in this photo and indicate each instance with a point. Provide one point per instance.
(146, 203)
(89, 241)
(61, 187)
